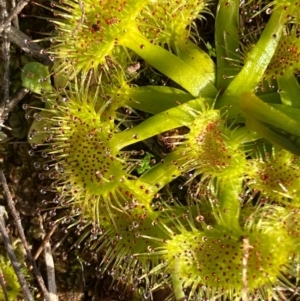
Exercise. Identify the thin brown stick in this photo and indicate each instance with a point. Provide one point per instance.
(58, 244)
(15, 20)
(48, 259)
(16, 98)
(246, 247)
(6, 60)
(19, 227)
(45, 241)
(18, 8)
(13, 258)
(50, 272)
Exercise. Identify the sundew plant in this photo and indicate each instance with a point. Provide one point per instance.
(215, 214)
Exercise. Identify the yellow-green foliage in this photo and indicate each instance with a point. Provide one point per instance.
(191, 221)
(13, 287)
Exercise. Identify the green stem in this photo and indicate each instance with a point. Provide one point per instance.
(154, 99)
(229, 204)
(268, 114)
(227, 40)
(257, 61)
(159, 123)
(289, 85)
(164, 172)
(290, 112)
(275, 138)
(177, 282)
(169, 64)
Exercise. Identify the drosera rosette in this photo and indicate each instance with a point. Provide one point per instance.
(79, 136)
(76, 134)
(228, 262)
(275, 176)
(73, 134)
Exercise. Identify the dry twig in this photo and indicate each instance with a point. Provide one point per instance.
(18, 8)
(48, 260)
(16, 19)
(45, 241)
(6, 59)
(13, 258)
(16, 98)
(19, 227)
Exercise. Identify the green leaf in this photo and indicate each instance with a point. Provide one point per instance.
(36, 78)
